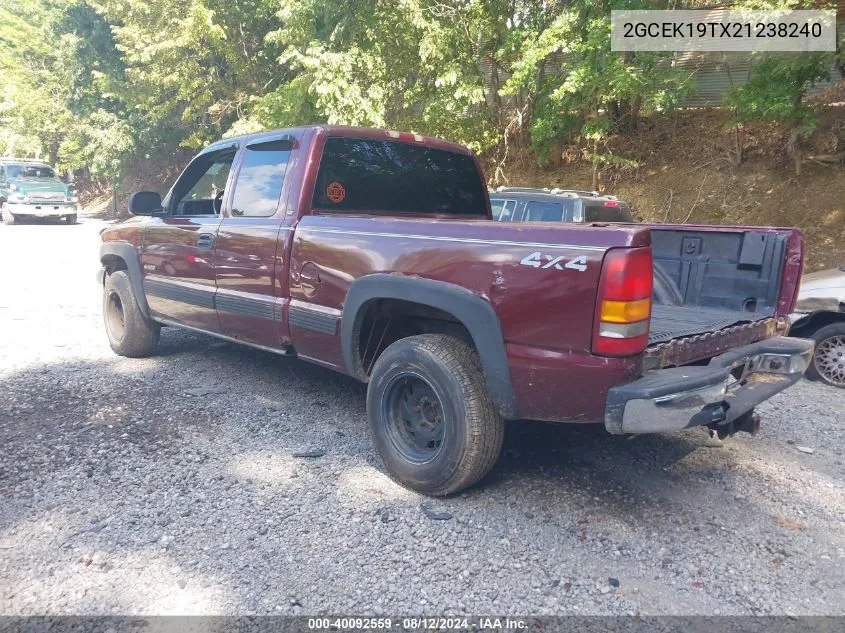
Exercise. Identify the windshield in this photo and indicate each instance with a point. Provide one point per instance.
(29, 171)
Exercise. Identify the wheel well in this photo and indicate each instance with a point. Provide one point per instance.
(816, 321)
(113, 263)
(385, 321)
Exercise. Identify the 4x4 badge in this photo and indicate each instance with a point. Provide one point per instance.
(539, 260)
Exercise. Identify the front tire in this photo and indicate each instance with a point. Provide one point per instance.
(828, 364)
(431, 417)
(8, 218)
(70, 219)
(129, 333)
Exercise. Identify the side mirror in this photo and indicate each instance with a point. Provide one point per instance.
(145, 203)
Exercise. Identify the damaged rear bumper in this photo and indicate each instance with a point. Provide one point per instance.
(682, 397)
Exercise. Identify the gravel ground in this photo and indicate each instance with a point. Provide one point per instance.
(173, 485)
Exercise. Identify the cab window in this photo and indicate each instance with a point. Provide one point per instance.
(260, 179)
(199, 191)
(390, 177)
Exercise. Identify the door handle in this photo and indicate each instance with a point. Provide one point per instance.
(205, 241)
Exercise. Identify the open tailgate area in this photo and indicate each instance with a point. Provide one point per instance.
(727, 282)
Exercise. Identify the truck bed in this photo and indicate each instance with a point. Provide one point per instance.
(712, 278)
(671, 322)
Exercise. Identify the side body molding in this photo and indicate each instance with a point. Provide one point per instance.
(129, 254)
(476, 314)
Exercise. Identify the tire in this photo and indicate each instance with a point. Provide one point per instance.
(828, 365)
(70, 219)
(8, 218)
(129, 333)
(431, 417)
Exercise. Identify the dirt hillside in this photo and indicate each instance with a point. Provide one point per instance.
(688, 170)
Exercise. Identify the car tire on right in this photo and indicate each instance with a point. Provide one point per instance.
(828, 364)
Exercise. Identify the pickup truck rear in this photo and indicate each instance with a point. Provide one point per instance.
(373, 253)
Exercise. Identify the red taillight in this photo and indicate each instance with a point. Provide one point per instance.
(611, 203)
(623, 311)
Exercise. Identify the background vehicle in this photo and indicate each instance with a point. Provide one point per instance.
(524, 204)
(820, 315)
(372, 253)
(30, 188)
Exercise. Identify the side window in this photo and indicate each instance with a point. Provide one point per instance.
(260, 179)
(503, 209)
(536, 211)
(2, 174)
(199, 191)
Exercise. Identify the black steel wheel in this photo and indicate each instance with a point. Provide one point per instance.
(432, 419)
(113, 315)
(129, 332)
(414, 417)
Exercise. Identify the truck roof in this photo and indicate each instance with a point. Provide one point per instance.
(10, 159)
(348, 131)
(549, 194)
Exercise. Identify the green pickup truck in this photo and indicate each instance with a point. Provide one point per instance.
(31, 189)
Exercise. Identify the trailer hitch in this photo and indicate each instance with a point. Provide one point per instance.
(748, 422)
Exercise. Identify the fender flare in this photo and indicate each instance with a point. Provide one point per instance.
(474, 312)
(129, 254)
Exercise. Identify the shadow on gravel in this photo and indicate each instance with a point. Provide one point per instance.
(189, 461)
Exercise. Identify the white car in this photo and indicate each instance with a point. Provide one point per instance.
(820, 315)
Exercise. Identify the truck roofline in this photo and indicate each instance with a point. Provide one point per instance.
(346, 131)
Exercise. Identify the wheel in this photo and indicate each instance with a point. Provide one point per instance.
(130, 334)
(70, 219)
(8, 218)
(828, 364)
(431, 417)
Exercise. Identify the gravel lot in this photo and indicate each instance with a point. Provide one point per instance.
(172, 485)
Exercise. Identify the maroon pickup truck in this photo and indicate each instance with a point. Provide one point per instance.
(373, 253)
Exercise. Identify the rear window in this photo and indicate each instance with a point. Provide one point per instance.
(598, 212)
(393, 177)
(542, 211)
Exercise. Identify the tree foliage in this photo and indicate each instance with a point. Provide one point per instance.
(94, 84)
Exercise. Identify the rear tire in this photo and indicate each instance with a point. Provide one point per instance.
(70, 219)
(431, 417)
(129, 333)
(828, 365)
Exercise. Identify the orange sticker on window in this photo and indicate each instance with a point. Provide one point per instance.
(335, 192)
